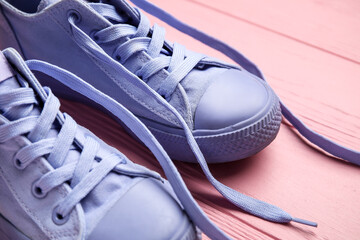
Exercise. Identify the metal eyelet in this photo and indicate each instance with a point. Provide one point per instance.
(118, 58)
(93, 36)
(37, 191)
(18, 164)
(75, 15)
(57, 218)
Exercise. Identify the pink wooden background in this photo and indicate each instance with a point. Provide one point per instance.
(309, 51)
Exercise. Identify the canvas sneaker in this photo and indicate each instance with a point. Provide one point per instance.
(231, 113)
(59, 181)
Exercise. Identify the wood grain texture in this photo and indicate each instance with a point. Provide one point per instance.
(310, 54)
(321, 24)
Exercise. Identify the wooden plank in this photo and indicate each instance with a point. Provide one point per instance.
(332, 26)
(319, 86)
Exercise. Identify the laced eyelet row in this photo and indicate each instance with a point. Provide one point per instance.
(75, 15)
(38, 192)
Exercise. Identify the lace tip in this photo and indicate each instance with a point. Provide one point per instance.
(305, 222)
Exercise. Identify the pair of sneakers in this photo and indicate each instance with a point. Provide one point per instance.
(62, 182)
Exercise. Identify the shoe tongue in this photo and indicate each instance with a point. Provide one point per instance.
(45, 3)
(10, 80)
(6, 71)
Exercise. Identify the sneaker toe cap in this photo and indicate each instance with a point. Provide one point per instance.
(233, 97)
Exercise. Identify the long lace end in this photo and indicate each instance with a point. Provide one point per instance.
(305, 222)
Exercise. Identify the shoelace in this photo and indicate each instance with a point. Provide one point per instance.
(251, 205)
(179, 64)
(18, 104)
